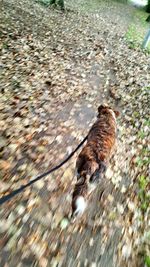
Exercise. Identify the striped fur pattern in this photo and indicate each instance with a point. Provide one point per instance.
(93, 159)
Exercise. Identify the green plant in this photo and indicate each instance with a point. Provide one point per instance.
(141, 134)
(144, 197)
(44, 2)
(5, 45)
(147, 261)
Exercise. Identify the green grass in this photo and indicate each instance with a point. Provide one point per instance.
(147, 261)
(138, 29)
(144, 200)
(5, 45)
(147, 122)
(144, 197)
(43, 2)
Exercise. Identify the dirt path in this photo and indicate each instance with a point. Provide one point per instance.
(52, 81)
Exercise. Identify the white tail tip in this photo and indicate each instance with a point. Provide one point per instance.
(80, 205)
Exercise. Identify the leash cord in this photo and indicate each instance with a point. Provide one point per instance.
(19, 190)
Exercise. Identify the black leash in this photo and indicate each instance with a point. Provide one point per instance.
(19, 190)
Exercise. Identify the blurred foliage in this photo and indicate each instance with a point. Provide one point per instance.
(137, 30)
(143, 193)
(59, 3)
(43, 2)
(148, 7)
(147, 261)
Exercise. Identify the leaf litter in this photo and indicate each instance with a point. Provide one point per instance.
(55, 71)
